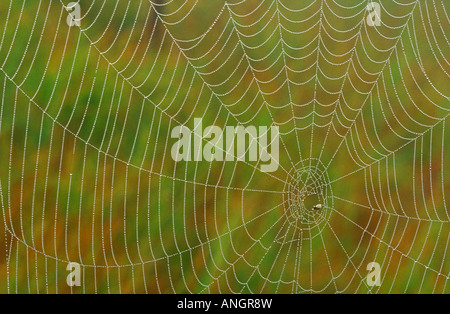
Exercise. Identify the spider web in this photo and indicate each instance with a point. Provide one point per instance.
(86, 173)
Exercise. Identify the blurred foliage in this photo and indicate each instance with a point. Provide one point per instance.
(85, 168)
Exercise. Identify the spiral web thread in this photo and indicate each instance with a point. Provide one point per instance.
(86, 171)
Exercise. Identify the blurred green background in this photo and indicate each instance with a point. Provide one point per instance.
(86, 174)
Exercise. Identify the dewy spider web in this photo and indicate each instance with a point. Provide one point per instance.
(87, 176)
